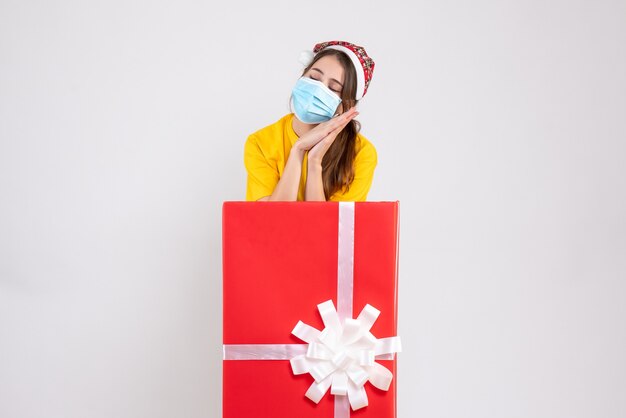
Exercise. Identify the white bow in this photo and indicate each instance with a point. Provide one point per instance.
(342, 357)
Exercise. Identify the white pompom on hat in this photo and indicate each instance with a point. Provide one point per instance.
(306, 57)
(363, 64)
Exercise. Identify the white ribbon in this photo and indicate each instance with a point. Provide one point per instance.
(342, 357)
(262, 351)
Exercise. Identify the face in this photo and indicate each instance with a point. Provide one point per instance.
(329, 71)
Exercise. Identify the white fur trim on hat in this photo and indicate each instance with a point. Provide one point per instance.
(306, 57)
(360, 74)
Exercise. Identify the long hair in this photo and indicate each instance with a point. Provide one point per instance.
(338, 162)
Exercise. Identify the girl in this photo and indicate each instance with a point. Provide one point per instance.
(317, 152)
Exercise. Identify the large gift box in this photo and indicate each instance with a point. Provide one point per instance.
(310, 309)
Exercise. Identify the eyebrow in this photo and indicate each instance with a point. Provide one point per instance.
(322, 73)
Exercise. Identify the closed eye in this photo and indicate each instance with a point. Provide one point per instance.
(336, 91)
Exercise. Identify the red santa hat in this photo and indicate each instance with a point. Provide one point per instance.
(363, 64)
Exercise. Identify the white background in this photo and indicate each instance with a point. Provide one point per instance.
(500, 127)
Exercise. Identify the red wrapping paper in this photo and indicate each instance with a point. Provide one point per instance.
(279, 263)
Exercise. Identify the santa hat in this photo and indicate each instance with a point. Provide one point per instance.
(363, 64)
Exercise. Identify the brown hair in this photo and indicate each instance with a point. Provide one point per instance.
(338, 162)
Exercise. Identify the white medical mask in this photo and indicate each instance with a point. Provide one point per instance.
(313, 102)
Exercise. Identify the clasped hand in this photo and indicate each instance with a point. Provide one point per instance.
(319, 139)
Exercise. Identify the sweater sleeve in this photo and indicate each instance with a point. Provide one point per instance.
(262, 175)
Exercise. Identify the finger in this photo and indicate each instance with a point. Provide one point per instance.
(338, 129)
(334, 131)
(348, 118)
(330, 137)
(351, 113)
(338, 122)
(342, 120)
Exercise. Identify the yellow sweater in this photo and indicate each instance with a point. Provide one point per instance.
(266, 152)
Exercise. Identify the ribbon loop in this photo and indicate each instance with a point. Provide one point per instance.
(317, 390)
(388, 345)
(305, 332)
(379, 376)
(358, 375)
(318, 351)
(368, 316)
(352, 331)
(357, 396)
(329, 316)
(299, 365)
(340, 384)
